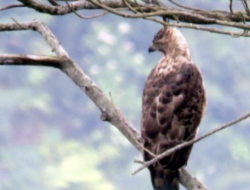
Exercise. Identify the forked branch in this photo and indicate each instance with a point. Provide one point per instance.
(109, 112)
(30, 60)
(186, 17)
(72, 69)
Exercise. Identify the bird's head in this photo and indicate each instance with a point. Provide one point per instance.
(169, 40)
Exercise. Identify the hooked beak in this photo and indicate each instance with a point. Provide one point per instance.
(151, 49)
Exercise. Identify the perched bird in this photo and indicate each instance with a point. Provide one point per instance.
(173, 104)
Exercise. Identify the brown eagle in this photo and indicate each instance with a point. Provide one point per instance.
(173, 104)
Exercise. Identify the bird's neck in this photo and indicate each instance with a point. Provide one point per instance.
(177, 59)
(169, 61)
(180, 51)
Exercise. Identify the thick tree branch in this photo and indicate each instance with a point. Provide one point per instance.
(30, 60)
(148, 16)
(68, 66)
(190, 182)
(53, 2)
(109, 112)
(65, 9)
(12, 6)
(85, 17)
(150, 10)
(196, 16)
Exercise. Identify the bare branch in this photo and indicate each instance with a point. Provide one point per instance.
(85, 17)
(245, 5)
(185, 7)
(65, 9)
(190, 182)
(11, 7)
(180, 146)
(231, 6)
(154, 2)
(28, 60)
(183, 15)
(197, 27)
(149, 11)
(173, 12)
(152, 9)
(53, 2)
(68, 66)
(81, 79)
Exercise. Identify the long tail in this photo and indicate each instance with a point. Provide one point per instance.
(164, 180)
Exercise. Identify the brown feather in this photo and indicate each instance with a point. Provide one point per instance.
(173, 104)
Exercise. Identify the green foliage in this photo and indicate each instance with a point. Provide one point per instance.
(51, 134)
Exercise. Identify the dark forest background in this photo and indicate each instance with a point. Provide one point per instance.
(51, 136)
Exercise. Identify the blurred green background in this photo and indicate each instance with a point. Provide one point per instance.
(51, 136)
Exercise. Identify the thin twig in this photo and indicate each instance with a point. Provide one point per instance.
(148, 16)
(181, 25)
(17, 23)
(184, 6)
(84, 17)
(11, 7)
(138, 162)
(180, 146)
(245, 5)
(53, 2)
(129, 6)
(139, 7)
(222, 18)
(231, 6)
(197, 27)
(154, 2)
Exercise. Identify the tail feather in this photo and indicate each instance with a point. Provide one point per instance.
(172, 181)
(165, 180)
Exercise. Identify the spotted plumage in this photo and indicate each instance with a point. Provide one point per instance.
(173, 104)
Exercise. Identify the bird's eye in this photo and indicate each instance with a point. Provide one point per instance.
(159, 44)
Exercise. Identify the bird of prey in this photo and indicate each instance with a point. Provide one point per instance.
(173, 104)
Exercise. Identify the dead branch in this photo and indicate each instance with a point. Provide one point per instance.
(53, 2)
(196, 16)
(11, 7)
(151, 9)
(70, 68)
(193, 184)
(30, 60)
(85, 17)
(148, 16)
(65, 9)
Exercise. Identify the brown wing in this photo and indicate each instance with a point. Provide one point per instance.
(173, 103)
